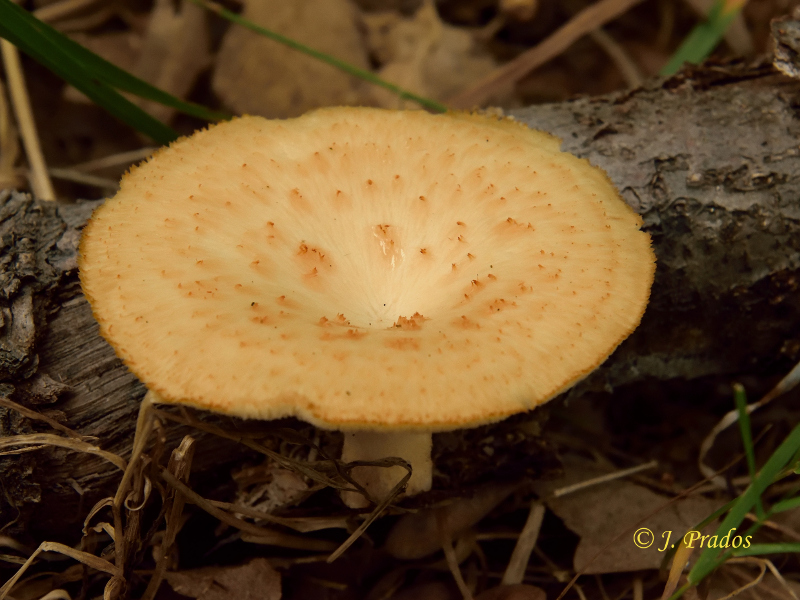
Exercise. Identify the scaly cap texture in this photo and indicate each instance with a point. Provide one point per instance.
(361, 268)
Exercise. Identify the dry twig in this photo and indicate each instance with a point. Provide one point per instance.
(9, 146)
(39, 179)
(515, 571)
(587, 20)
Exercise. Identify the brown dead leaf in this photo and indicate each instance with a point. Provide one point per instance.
(119, 47)
(281, 488)
(600, 513)
(513, 592)
(122, 48)
(170, 55)
(258, 76)
(256, 580)
(424, 55)
(434, 590)
(521, 10)
(174, 52)
(417, 535)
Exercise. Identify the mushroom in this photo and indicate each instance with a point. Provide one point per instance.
(385, 273)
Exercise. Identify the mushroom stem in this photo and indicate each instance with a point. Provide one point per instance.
(412, 446)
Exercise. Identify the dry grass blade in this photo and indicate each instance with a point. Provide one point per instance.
(515, 571)
(90, 21)
(759, 562)
(100, 505)
(787, 531)
(587, 20)
(625, 64)
(303, 525)
(32, 414)
(61, 10)
(9, 542)
(297, 466)
(114, 160)
(107, 529)
(316, 471)
(342, 470)
(784, 385)
(638, 589)
(383, 505)
(23, 450)
(571, 489)
(40, 181)
(128, 536)
(452, 560)
(144, 425)
(260, 534)
(56, 595)
(49, 439)
(84, 178)
(774, 570)
(679, 562)
(9, 146)
(89, 560)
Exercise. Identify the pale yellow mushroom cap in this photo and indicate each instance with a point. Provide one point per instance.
(361, 268)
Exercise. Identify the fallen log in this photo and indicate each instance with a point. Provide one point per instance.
(711, 161)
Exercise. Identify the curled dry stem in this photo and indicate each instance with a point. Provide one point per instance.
(124, 538)
(135, 487)
(317, 471)
(180, 465)
(313, 471)
(265, 535)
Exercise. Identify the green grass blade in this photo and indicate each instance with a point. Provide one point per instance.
(702, 40)
(785, 505)
(70, 60)
(326, 58)
(740, 397)
(710, 558)
(99, 92)
(759, 549)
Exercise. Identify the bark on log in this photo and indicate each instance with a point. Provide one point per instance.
(710, 159)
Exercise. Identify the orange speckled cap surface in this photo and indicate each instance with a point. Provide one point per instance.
(366, 268)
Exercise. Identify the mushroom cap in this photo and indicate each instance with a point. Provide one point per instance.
(362, 268)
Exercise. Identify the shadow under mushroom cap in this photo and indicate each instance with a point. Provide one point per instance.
(366, 268)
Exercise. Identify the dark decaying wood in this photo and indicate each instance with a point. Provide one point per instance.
(711, 160)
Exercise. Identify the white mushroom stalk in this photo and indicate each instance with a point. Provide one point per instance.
(386, 273)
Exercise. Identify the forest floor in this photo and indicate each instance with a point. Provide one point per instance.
(442, 52)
